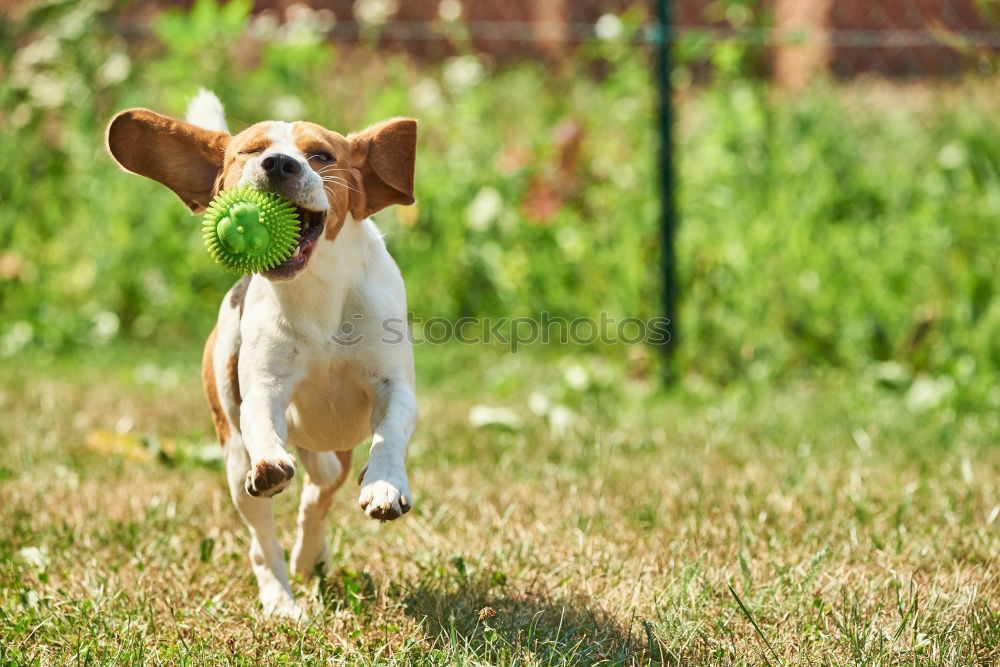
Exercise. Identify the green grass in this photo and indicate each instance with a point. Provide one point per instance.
(831, 519)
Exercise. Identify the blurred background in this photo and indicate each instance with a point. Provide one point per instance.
(837, 171)
(827, 450)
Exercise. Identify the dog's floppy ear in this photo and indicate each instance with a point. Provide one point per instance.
(384, 155)
(184, 157)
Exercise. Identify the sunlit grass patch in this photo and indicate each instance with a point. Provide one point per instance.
(850, 527)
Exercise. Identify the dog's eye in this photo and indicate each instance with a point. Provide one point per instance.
(252, 151)
(323, 157)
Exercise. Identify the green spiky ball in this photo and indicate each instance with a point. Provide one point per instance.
(249, 231)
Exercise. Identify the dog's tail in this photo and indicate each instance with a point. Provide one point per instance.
(206, 111)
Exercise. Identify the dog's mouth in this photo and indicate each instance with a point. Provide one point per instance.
(310, 227)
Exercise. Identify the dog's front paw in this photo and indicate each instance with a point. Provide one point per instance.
(269, 477)
(385, 496)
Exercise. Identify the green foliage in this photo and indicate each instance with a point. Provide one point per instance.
(845, 227)
(833, 231)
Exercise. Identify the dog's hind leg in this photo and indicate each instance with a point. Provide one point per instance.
(325, 473)
(266, 555)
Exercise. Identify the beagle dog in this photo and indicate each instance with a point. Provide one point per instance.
(312, 356)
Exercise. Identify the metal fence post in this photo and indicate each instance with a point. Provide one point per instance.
(663, 40)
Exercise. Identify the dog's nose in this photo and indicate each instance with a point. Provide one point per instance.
(279, 165)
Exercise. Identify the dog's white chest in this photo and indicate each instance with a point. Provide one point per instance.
(330, 410)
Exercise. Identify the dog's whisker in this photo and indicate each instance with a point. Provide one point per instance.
(326, 176)
(349, 188)
(338, 181)
(335, 179)
(332, 192)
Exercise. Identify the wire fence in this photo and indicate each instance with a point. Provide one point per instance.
(897, 38)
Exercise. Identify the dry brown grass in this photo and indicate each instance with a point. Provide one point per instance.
(852, 529)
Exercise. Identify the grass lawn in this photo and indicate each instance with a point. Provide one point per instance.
(603, 522)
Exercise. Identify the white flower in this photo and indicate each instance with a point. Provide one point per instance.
(375, 12)
(426, 94)
(32, 57)
(927, 392)
(106, 325)
(608, 27)
(47, 91)
(298, 13)
(303, 24)
(484, 209)
(951, 156)
(114, 70)
(463, 72)
(561, 420)
(450, 10)
(264, 26)
(538, 403)
(485, 415)
(287, 107)
(19, 335)
(34, 556)
(577, 377)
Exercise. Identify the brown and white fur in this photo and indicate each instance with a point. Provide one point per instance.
(277, 377)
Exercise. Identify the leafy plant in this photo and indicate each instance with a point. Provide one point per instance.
(843, 228)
